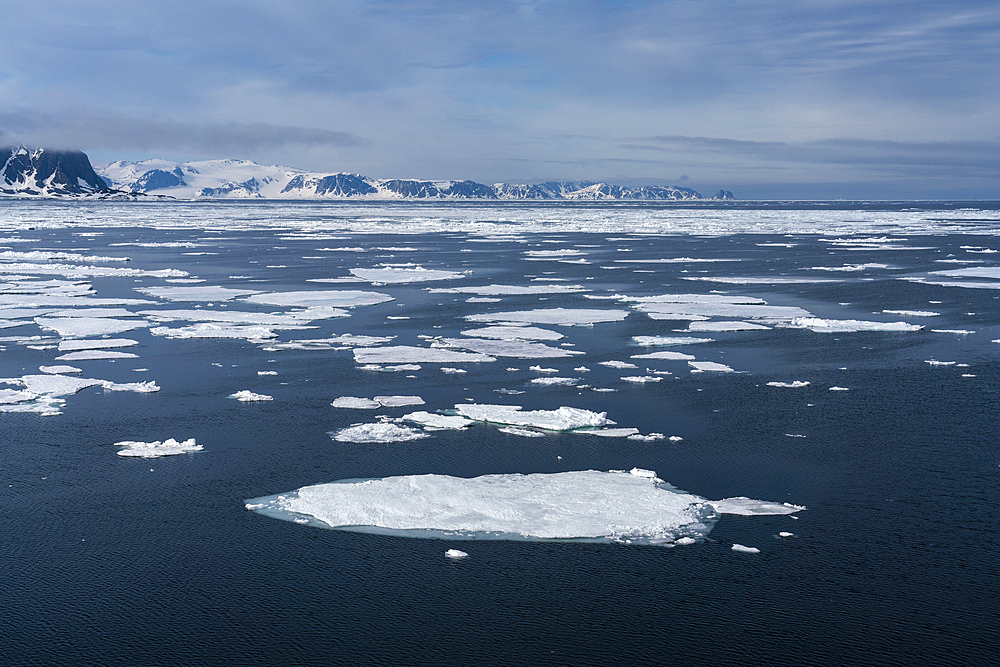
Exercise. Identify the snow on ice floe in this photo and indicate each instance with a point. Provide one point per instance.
(82, 327)
(314, 298)
(519, 349)
(157, 448)
(514, 333)
(381, 432)
(407, 274)
(560, 419)
(633, 507)
(553, 316)
(652, 341)
(846, 326)
(410, 354)
(508, 290)
(247, 396)
(196, 293)
(94, 355)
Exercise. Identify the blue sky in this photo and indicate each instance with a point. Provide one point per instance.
(820, 99)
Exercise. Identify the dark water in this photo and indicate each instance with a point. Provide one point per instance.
(114, 561)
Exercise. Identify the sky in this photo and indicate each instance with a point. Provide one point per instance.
(819, 99)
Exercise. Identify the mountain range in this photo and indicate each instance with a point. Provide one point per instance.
(44, 172)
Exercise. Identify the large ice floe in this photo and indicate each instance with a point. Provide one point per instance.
(634, 507)
(157, 448)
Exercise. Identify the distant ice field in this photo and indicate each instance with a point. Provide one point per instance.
(513, 391)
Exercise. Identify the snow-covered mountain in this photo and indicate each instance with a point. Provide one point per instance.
(48, 173)
(242, 179)
(43, 172)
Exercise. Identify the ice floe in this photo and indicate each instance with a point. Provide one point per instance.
(514, 333)
(560, 419)
(211, 330)
(59, 370)
(632, 507)
(247, 396)
(553, 316)
(652, 341)
(415, 274)
(455, 554)
(508, 290)
(157, 448)
(93, 355)
(313, 298)
(196, 293)
(515, 348)
(846, 326)
(745, 549)
(794, 384)
(709, 367)
(381, 432)
(82, 327)
(410, 354)
(665, 355)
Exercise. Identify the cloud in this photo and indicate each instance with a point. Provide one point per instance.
(110, 131)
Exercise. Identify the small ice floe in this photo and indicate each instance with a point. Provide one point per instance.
(433, 421)
(378, 433)
(508, 290)
(642, 379)
(520, 349)
(248, 332)
(398, 401)
(958, 332)
(912, 313)
(744, 506)
(617, 364)
(709, 367)
(313, 298)
(652, 437)
(522, 432)
(267, 372)
(839, 389)
(355, 403)
(794, 384)
(685, 541)
(627, 432)
(554, 316)
(410, 354)
(651, 341)
(786, 534)
(935, 362)
(541, 369)
(561, 419)
(95, 355)
(455, 554)
(556, 381)
(665, 355)
(98, 344)
(59, 370)
(628, 507)
(247, 396)
(398, 275)
(821, 325)
(157, 448)
(453, 371)
(675, 438)
(745, 550)
(196, 293)
(513, 333)
(392, 368)
(82, 327)
(726, 326)
(794, 435)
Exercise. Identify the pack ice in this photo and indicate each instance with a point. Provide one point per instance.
(634, 507)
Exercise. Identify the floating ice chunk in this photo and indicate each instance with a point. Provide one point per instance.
(398, 401)
(307, 298)
(196, 293)
(786, 534)
(416, 355)
(332, 343)
(617, 364)
(590, 505)
(54, 385)
(12, 396)
(749, 507)
(60, 370)
(726, 326)
(455, 554)
(211, 330)
(839, 389)
(746, 550)
(514, 348)
(453, 371)
(355, 403)
(523, 432)
(147, 387)
(652, 437)
(508, 290)
(669, 340)
(935, 362)
(912, 313)
(378, 433)
(417, 274)
(247, 396)
(627, 432)
(667, 355)
(555, 381)
(642, 379)
(960, 332)
(851, 267)
(81, 327)
(514, 333)
(561, 419)
(709, 366)
(553, 316)
(92, 355)
(844, 326)
(432, 420)
(540, 369)
(794, 384)
(675, 438)
(397, 368)
(685, 541)
(99, 344)
(157, 448)
(267, 372)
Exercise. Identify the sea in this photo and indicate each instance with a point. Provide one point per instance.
(869, 397)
